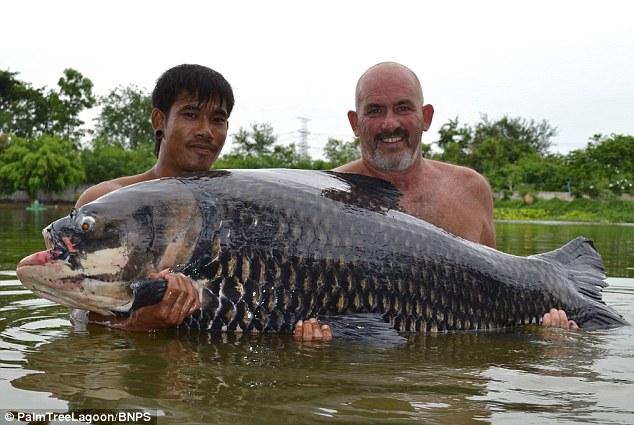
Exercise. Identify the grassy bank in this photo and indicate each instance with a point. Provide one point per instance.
(592, 210)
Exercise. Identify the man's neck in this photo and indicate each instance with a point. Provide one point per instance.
(401, 179)
(159, 170)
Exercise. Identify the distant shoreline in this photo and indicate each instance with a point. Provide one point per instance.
(564, 222)
(612, 210)
(545, 212)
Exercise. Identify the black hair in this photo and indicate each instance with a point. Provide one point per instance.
(197, 80)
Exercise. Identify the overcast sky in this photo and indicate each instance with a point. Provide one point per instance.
(568, 62)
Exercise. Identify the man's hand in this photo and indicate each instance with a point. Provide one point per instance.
(180, 300)
(558, 319)
(311, 330)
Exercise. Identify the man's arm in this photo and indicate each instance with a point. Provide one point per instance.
(487, 235)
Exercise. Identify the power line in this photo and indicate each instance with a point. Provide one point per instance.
(302, 146)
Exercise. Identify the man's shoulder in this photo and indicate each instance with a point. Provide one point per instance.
(108, 186)
(453, 171)
(447, 167)
(355, 166)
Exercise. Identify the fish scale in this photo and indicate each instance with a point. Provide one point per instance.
(394, 305)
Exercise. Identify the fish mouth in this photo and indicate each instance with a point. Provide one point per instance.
(56, 275)
(58, 249)
(42, 274)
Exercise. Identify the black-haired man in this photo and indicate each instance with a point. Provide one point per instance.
(191, 109)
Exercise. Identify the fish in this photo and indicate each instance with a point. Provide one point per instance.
(267, 248)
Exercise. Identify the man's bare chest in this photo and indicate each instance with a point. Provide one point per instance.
(445, 211)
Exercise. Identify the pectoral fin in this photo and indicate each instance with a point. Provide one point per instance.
(147, 292)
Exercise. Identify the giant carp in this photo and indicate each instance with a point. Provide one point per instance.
(267, 248)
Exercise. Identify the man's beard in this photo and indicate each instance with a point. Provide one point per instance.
(392, 162)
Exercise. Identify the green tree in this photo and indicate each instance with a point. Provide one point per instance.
(528, 135)
(45, 163)
(257, 148)
(496, 149)
(278, 157)
(124, 119)
(30, 112)
(454, 141)
(493, 143)
(257, 141)
(605, 166)
(531, 171)
(105, 161)
(4, 141)
(338, 152)
(74, 94)
(23, 109)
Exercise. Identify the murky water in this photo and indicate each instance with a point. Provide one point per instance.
(520, 376)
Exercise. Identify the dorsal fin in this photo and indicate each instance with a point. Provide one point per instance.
(365, 192)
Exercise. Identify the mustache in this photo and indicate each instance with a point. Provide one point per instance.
(204, 143)
(398, 132)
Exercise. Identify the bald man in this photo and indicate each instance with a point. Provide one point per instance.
(389, 120)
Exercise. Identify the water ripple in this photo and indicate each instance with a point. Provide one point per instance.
(527, 375)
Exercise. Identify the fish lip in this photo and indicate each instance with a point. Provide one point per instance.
(62, 292)
(54, 293)
(58, 298)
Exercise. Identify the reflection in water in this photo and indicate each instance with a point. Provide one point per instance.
(530, 373)
(267, 377)
(215, 379)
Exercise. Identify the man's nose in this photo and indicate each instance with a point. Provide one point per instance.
(390, 122)
(204, 130)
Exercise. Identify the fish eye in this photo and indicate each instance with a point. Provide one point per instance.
(87, 224)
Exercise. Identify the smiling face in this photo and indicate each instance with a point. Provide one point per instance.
(194, 134)
(390, 117)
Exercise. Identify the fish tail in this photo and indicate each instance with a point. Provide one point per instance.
(587, 272)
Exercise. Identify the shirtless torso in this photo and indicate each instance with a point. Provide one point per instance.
(451, 197)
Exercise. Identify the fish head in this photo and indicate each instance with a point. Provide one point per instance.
(96, 252)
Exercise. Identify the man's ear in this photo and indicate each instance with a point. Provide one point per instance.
(428, 114)
(354, 121)
(158, 119)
